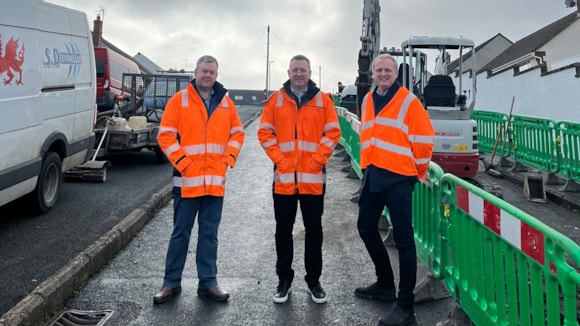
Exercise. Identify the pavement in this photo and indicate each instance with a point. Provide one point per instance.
(555, 187)
(546, 197)
(116, 277)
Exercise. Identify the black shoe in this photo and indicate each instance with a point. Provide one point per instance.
(165, 294)
(398, 316)
(376, 292)
(282, 291)
(317, 292)
(215, 293)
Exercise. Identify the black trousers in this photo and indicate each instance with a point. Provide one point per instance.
(285, 208)
(398, 200)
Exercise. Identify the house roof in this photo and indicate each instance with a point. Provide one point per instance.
(532, 42)
(454, 65)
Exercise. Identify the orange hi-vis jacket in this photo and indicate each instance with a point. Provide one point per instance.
(299, 139)
(400, 138)
(200, 149)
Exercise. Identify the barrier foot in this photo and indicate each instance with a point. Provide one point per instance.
(430, 289)
(517, 167)
(352, 174)
(457, 318)
(339, 153)
(552, 179)
(570, 186)
(505, 163)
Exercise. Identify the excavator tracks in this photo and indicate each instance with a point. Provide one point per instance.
(487, 185)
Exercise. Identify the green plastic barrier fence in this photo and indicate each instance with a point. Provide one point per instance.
(427, 222)
(354, 142)
(344, 126)
(534, 142)
(336, 98)
(569, 149)
(506, 267)
(491, 130)
(503, 266)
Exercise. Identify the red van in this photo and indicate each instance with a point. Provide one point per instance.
(110, 69)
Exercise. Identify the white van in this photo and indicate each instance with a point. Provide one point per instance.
(47, 98)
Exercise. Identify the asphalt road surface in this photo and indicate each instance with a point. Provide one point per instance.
(246, 259)
(32, 248)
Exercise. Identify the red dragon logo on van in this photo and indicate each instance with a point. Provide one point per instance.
(11, 61)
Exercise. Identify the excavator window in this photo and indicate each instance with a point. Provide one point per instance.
(404, 70)
(440, 91)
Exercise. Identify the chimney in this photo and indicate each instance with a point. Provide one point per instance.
(97, 31)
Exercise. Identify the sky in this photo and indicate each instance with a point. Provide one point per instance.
(175, 33)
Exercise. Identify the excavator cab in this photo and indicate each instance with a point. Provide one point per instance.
(440, 91)
(444, 97)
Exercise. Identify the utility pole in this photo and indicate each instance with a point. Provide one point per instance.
(267, 64)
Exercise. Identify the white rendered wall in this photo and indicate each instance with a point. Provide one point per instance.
(555, 95)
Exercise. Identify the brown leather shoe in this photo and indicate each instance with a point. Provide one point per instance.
(214, 293)
(165, 294)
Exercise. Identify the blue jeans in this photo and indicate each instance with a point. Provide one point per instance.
(209, 211)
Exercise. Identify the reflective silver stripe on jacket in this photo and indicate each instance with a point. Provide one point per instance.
(302, 177)
(398, 123)
(190, 182)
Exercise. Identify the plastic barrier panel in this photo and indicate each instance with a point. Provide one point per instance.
(569, 149)
(492, 132)
(534, 143)
(506, 267)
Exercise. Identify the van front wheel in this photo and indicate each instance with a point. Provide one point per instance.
(49, 182)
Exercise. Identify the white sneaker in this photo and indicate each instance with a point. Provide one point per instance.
(282, 292)
(317, 293)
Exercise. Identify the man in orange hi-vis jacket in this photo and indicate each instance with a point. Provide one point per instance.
(396, 144)
(299, 130)
(201, 134)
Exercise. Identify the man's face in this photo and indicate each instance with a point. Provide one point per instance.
(385, 73)
(205, 75)
(299, 74)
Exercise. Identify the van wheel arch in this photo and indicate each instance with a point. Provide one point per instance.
(55, 142)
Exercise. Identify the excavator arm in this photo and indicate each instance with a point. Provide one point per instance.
(370, 39)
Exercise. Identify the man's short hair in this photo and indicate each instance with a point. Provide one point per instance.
(384, 56)
(301, 57)
(206, 58)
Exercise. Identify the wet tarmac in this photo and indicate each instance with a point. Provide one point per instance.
(246, 257)
(246, 261)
